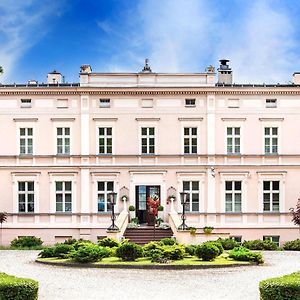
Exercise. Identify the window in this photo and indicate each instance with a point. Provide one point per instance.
(192, 189)
(25, 103)
(233, 196)
(273, 238)
(63, 140)
(233, 140)
(238, 239)
(233, 103)
(26, 196)
(26, 141)
(148, 140)
(105, 140)
(271, 103)
(147, 103)
(271, 195)
(62, 103)
(190, 140)
(104, 188)
(190, 102)
(104, 103)
(63, 196)
(271, 140)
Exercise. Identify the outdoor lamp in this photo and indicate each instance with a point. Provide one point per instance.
(112, 199)
(183, 198)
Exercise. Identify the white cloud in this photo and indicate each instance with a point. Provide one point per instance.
(22, 24)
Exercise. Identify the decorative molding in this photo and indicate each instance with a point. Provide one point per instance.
(62, 119)
(190, 119)
(105, 119)
(25, 119)
(271, 119)
(62, 173)
(234, 119)
(24, 173)
(147, 119)
(271, 172)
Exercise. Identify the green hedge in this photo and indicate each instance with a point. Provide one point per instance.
(260, 245)
(14, 288)
(244, 254)
(27, 242)
(281, 288)
(292, 245)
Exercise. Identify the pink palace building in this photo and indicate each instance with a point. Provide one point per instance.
(233, 148)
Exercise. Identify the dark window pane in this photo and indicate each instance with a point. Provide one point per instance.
(186, 131)
(21, 186)
(110, 185)
(266, 185)
(100, 186)
(275, 185)
(144, 131)
(194, 131)
(195, 185)
(30, 186)
(186, 185)
(68, 185)
(238, 185)
(228, 185)
(101, 131)
(151, 130)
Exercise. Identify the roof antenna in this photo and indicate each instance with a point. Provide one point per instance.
(146, 68)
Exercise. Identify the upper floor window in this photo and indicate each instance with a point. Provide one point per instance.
(63, 140)
(233, 140)
(104, 189)
(271, 140)
(26, 196)
(62, 103)
(190, 102)
(148, 140)
(193, 198)
(233, 196)
(233, 103)
(104, 103)
(271, 103)
(105, 140)
(26, 140)
(25, 103)
(147, 103)
(190, 140)
(63, 196)
(271, 195)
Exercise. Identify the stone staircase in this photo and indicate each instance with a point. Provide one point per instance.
(144, 235)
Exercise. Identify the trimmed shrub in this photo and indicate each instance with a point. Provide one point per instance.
(218, 245)
(228, 244)
(70, 241)
(168, 242)
(26, 242)
(260, 245)
(292, 245)
(281, 288)
(151, 246)
(129, 251)
(207, 251)
(108, 242)
(175, 252)
(89, 253)
(14, 288)
(190, 249)
(81, 243)
(156, 254)
(244, 254)
(62, 250)
(269, 245)
(47, 252)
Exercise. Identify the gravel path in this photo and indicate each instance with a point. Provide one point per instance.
(60, 283)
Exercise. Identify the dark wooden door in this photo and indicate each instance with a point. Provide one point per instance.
(143, 192)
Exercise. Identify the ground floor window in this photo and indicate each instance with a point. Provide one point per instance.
(238, 239)
(104, 188)
(63, 194)
(274, 238)
(192, 189)
(26, 196)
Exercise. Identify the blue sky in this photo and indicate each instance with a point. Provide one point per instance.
(260, 37)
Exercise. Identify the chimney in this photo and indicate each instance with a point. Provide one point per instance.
(54, 77)
(85, 69)
(224, 72)
(296, 78)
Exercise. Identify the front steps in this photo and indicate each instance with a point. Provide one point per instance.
(144, 235)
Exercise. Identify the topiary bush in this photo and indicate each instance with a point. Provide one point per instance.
(151, 246)
(260, 245)
(218, 245)
(62, 250)
(243, 254)
(89, 253)
(129, 251)
(207, 251)
(292, 245)
(174, 252)
(108, 242)
(281, 288)
(70, 241)
(269, 245)
(228, 244)
(168, 241)
(14, 288)
(190, 249)
(81, 243)
(47, 252)
(27, 242)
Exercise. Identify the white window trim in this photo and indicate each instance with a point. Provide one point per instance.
(266, 123)
(234, 124)
(195, 124)
(26, 177)
(105, 124)
(156, 135)
(62, 124)
(18, 136)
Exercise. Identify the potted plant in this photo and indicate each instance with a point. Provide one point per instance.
(208, 229)
(160, 212)
(193, 230)
(131, 209)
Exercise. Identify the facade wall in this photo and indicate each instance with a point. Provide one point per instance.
(215, 110)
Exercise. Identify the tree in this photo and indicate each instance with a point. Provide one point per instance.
(3, 218)
(1, 70)
(296, 214)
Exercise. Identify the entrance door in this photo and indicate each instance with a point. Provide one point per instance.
(143, 192)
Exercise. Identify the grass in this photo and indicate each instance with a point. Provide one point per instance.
(187, 261)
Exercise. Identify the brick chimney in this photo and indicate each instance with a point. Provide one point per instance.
(224, 72)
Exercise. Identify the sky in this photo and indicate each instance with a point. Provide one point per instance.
(260, 37)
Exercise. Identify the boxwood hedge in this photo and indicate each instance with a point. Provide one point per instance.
(14, 288)
(281, 288)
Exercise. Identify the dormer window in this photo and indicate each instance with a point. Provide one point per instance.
(190, 102)
(25, 103)
(104, 103)
(271, 103)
